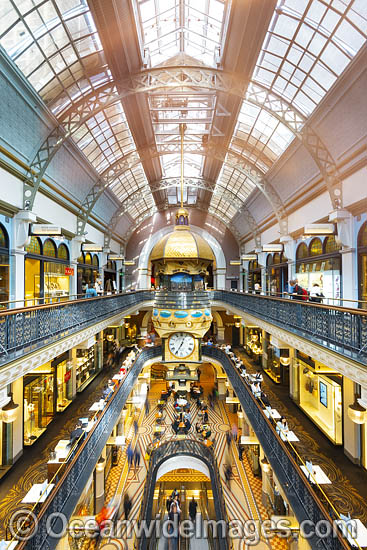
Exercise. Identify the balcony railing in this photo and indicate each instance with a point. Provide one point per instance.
(73, 475)
(306, 504)
(339, 329)
(187, 447)
(25, 330)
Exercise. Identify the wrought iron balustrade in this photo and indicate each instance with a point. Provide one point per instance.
(75, 473)
(339, 329)
(25, 330)
(303, 499)
(185, 447)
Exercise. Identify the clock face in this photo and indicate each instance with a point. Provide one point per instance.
(181, 344)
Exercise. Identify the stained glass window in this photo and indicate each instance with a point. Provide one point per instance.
(302, 251)
(316, 247)
(34, 247)
(49, 248)
(330, 245)
(3, 238)
(63, 252)
(362, 237)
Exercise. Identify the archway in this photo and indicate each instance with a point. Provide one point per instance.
(144, 257)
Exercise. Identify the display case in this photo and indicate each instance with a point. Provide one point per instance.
(86, 367)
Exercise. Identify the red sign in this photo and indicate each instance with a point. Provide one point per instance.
(69, 271)
(123, 371)
(67, 376)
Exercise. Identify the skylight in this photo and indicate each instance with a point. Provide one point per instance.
(169, 27)
(308, 45)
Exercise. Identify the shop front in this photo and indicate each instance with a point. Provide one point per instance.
(110, 276)
(254, 275)
(321, 396)
(320, 263)
(253, 343)
(64, 382)
(362, 266)
(87, 271)
(47, 272)
(88, 361)
(276, 274)
(276, 360)
(4, 266)
(39, 402)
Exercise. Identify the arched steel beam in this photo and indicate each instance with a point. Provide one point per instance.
(172, 78)
(233, 159)
(200, 184)
(297, 123)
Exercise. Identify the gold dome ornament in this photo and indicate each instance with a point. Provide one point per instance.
(181, 243)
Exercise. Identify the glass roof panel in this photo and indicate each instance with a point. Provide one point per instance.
(260, 136)
(130, 182)
(54, 43)
(222, 208)
(192, 165)
(308, 45)
(172, 26)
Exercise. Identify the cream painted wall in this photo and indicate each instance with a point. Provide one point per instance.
(351, 430)
(355, 187)
(46, 208)
(11, 189)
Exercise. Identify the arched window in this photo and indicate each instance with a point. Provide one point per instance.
(269, 259)
(63, 252)
(81, 259)
(95, 260)
(316, 247)
(253, 265)
(34, 247)
(302, 251)
(49, 248)
(88, 258)
(330, 245)
(362, 236)
(276, 258)
(4, 241)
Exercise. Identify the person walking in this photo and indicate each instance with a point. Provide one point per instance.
(130, 455)
(127, 505)
(234, 431)
(146, 406)
(192, 509)
(137, 458)
(136, 427)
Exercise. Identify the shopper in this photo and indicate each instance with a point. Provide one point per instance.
(137, 457)
(90, 291)
(127, 505)
(192, 509)
(130, 455)
(297, 293)
(316, 294)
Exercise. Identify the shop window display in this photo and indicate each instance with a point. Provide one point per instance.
(87, 366)
(321, 398)
(38, 402)
(64, 385)
(56, 282)
(315, 266)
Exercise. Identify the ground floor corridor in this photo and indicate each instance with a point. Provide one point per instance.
(242, 492)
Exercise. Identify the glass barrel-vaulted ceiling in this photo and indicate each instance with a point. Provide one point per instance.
(308, 44)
